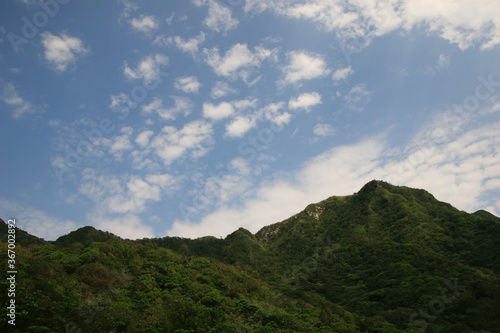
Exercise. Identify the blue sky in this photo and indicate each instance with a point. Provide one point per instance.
(193, 118)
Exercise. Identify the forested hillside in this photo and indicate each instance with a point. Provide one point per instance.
(386, 259)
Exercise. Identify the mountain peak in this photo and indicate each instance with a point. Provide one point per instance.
(85, 236)
(374, 185)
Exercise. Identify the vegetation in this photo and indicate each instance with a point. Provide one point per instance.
(386, 259)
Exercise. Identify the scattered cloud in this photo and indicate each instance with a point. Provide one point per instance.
(324, 130)
(119, 144)
(19, 106)
(163, 41)
(461, 22)
(143, 138)
(149, 68)
(221, 89)
(219, 18)
(181, 105)
(247, 116)
(443, 61)
(172, 143)
(342, 73)
(217, 112)
(238, 61)
(188, 84)
(62, 51)
(170, 19)
(304, 65)
(305, 101)
(121, 104)
(128, 7)
(358, 97)
(272, 113)
(145, 23)
(191, 45)
(240, 125)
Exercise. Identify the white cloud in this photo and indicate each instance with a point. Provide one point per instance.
(221, 89)
(128, 7)
(143, 138)
(461, 171)
(35, 221)
(119, 200)
(149, 68)
(238, 61)
(304, 66)
(240, 125)
(19, 106)
(443, 61)
(119, 144)
(219, 18)
(247, 117)
(171, 144)
(305, 101)
(462, 22)
(125, 195)
(323, 130)
(188, 84)
(164, 41)
(342, 73)
(182, 105)
(121, 104)
(217, 112)
(170, 19)
(272, 113)
(191, 45)
(496, 107)
(145, 23)
(128, 226)
(63, 50)
(358, 97)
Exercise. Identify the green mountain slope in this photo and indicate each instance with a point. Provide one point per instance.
(386, 259)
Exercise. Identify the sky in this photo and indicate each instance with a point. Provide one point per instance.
(194, 118)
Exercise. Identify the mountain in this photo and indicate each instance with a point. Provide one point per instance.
(22, 237)
(85, 236)
(385, 259)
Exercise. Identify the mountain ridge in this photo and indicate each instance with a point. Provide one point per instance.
(90, 232)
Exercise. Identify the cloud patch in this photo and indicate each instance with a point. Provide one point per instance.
(188, 84)
(238, 60)
(304, 65)
(342, 73)
(305, 101)
(191, 45)
(217, 112)
(145, 24)
(181, 105)
(62, 51)
(219, 18)
(19, 106)
(358, 97)
(171, 143)
(148, 69)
